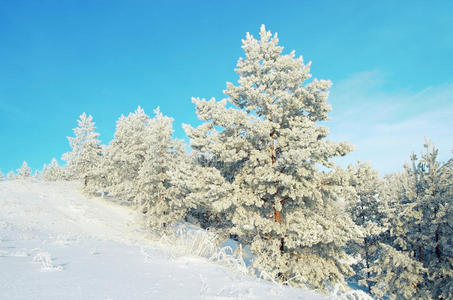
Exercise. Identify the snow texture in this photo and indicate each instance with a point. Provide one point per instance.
(57, 244)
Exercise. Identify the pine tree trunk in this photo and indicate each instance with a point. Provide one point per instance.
(367, 256)
(437, 249)
(367, 261)
(278, 216)
(277, 213)
(420, 259)
(420, 253)
(438, 253)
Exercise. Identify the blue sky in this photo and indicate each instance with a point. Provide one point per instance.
(390, 63)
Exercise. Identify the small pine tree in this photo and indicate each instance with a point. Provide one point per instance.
(2, 177)
(364, 209)
(24, 171)
(85, 150)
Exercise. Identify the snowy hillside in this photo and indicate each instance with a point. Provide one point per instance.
(57, 244)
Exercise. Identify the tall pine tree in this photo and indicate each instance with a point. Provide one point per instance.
(364, 209)
(431, 202)
(266, 136)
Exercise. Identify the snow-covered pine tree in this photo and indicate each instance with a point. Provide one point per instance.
(418, 216)
(441, 267)
(433, 183)
(397, 272)
(53, 172)
(126, 154)
(156, 189)
(397, 275)
(85, 150)
(24, 171)
(267, 137)
(1, 175)
(389, 196)
(364, 209)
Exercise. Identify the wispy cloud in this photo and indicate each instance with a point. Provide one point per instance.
(385, 125)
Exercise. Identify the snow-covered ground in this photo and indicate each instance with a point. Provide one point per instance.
(55, 243)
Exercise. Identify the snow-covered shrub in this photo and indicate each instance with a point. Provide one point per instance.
(190, 241)
(185, 240)
(45, 261)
